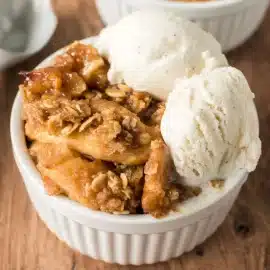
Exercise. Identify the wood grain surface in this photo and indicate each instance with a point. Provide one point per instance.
(241, 243)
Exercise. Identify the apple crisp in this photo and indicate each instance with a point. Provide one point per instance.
(98, 144)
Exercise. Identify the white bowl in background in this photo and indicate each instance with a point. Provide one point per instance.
(231, 22)
(122, 239)
(41, 25)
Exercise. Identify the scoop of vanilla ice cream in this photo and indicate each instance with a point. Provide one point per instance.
(211, 126)
(149, 49)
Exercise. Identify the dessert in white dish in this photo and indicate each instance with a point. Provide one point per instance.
(69, 108)
(111, 133)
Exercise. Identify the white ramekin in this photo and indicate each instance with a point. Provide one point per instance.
(126, 239)
(231, 22)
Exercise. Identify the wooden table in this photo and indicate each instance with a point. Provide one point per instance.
(242, 242)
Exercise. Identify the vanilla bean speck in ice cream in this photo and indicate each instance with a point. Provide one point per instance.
(211, 126)
(149, 49)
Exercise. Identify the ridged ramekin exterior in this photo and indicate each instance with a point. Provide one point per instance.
(231, 29)
(136, 249)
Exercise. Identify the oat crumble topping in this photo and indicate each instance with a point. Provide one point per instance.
(217, 183)
(98, 144)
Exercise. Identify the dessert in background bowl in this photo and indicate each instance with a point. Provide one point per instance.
(95, 163)
(231, 22)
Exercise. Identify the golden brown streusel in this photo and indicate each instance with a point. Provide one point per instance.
(217, 183)
(158, 197)
(91, 140)
(93, 183)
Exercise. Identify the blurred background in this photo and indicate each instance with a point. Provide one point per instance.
(32, 30)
